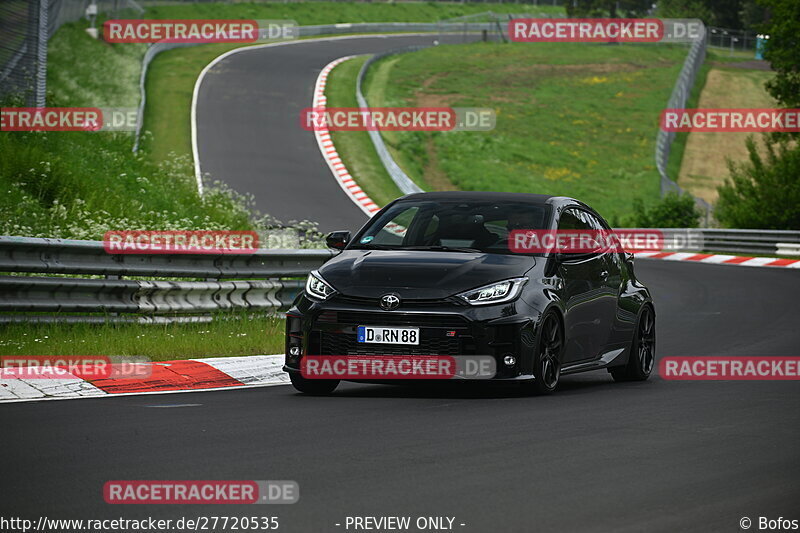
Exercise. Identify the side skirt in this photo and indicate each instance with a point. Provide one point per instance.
(608, 359)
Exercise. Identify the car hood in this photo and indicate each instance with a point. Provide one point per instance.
(418, 274)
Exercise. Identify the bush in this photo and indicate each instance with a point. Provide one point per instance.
(765, 192)
(672, 211)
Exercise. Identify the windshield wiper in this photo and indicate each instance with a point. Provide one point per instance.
(444, 249)
(375, 247)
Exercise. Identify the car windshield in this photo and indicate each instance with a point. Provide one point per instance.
(451, 226)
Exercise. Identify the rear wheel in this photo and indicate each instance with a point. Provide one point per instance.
(547, 362)
(314, 387)
(643, 350)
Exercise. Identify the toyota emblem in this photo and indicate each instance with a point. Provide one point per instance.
(390, 301)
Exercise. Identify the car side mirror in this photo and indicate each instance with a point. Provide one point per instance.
(337, 239)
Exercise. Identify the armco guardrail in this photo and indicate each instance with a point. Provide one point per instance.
(67, 295)
(677, 100)
(742, 241)
(255, 280)
(400, 178)
(227, 279)
(733, 241)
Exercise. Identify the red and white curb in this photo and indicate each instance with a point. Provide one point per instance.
(217, 373)
(720, 259)
(340, 172)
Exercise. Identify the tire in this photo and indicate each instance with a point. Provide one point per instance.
(314, 387)
(643, 350)
(547, 361)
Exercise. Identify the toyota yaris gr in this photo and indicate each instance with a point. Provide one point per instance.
(436, 274)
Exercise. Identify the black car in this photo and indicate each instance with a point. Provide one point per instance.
(441, 263)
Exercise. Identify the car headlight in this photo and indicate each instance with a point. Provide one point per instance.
(318, 288)
(495, 293)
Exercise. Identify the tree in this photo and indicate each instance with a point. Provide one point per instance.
(783, 50)
(765, 192)
(672, 211)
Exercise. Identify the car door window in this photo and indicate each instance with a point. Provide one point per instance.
(614, 262)
(571, 220)
(578, 220)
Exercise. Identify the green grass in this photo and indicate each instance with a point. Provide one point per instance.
(572, 119)
(355, 147)
(87, 72)
(243, 336)
(80, 185)
(308, 13)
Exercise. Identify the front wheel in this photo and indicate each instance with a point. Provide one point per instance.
(314, 387)
(643, 350)
(547, 361)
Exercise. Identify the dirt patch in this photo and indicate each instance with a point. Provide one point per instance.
(426, 98)
(432, 174)
(435, 100)
(587, 68)
(755, 64)
(704, 166)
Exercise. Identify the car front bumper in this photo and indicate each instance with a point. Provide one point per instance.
(446, 328)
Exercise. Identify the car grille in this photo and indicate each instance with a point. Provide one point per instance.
(360, 318)
(332, 343)
(375, 302)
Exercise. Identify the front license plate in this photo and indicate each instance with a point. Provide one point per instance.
(384, 335)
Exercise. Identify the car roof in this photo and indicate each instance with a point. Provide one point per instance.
(557, 202)
(481, 195)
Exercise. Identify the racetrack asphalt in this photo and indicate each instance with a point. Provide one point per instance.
(596, 456)
(249, 134)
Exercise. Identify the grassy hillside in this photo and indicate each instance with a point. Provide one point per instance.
(572, 119)
(79, 185)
